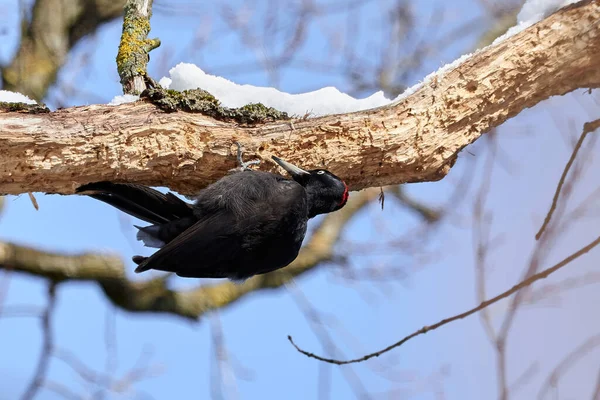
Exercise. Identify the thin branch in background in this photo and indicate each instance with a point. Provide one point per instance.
(22, 311)
(4, 287)
(540, 251)
(596, 394)
(481, 238)
(555, 289)
(85, 373)
(110, 341)
(48, 340)
(61, 390)
(588, 127)
(562, 223)
(567, 362)
(142, 369)
(317, 326)
(429, 214)
(524, 378)
(432, 383)
(105, 381)
(523, 284)
(216, 380)
(224, 377)
(386, 369)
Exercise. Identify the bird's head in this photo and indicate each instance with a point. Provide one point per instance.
(326, 192)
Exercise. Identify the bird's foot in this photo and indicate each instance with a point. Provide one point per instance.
(244, 166)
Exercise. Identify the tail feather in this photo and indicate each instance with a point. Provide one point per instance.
(168, 214)
(140, 201)
(140, 261)
(149, 235)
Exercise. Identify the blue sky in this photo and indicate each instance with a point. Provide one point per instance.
(371, 314)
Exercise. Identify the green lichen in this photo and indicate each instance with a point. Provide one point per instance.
(23, 107)
(201, 101)
(132, 57)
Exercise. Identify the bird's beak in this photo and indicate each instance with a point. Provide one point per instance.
(294, 171)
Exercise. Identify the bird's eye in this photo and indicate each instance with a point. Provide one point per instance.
(320, 172)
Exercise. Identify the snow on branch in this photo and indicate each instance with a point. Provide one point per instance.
(416, 138)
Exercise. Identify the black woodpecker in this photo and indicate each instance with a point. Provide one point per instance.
(247, 223)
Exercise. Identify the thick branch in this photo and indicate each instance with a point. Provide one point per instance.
(154, 295)
(56, 26)
(417, 139)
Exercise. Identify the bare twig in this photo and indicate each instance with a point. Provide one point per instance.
(567, 362)
(61, 390)
(596, 394)
(523, 284)
(48, 339)
(110, 340)
(318, 328)
(524, 378)
(588, 127)
(224, 376)
(84, 372)
(481, 237)
(554, 289)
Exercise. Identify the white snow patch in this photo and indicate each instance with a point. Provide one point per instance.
(324, 101)
(329, 100)
(122, 99)
(14, 97)
(537, 10)
(534, 11)
(165, 82)
(439, 74)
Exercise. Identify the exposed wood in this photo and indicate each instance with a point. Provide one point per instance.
(415, 140)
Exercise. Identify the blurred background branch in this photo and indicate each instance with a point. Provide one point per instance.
(154, 295)
(48, 33)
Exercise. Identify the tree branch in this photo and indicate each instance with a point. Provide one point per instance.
(48, 341)
(589, 127)
(132, 58)
(523, 284)
(417, 139)
(154, 295)
(55, 27)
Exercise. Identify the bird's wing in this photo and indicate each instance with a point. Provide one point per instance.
(240, 192)
(236, 218)
(222, 244)
(202, 250)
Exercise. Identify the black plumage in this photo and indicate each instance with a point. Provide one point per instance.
(246, 223)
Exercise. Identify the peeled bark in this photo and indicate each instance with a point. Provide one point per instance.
(417, 139)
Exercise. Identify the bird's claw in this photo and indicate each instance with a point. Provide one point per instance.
(243, 166)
